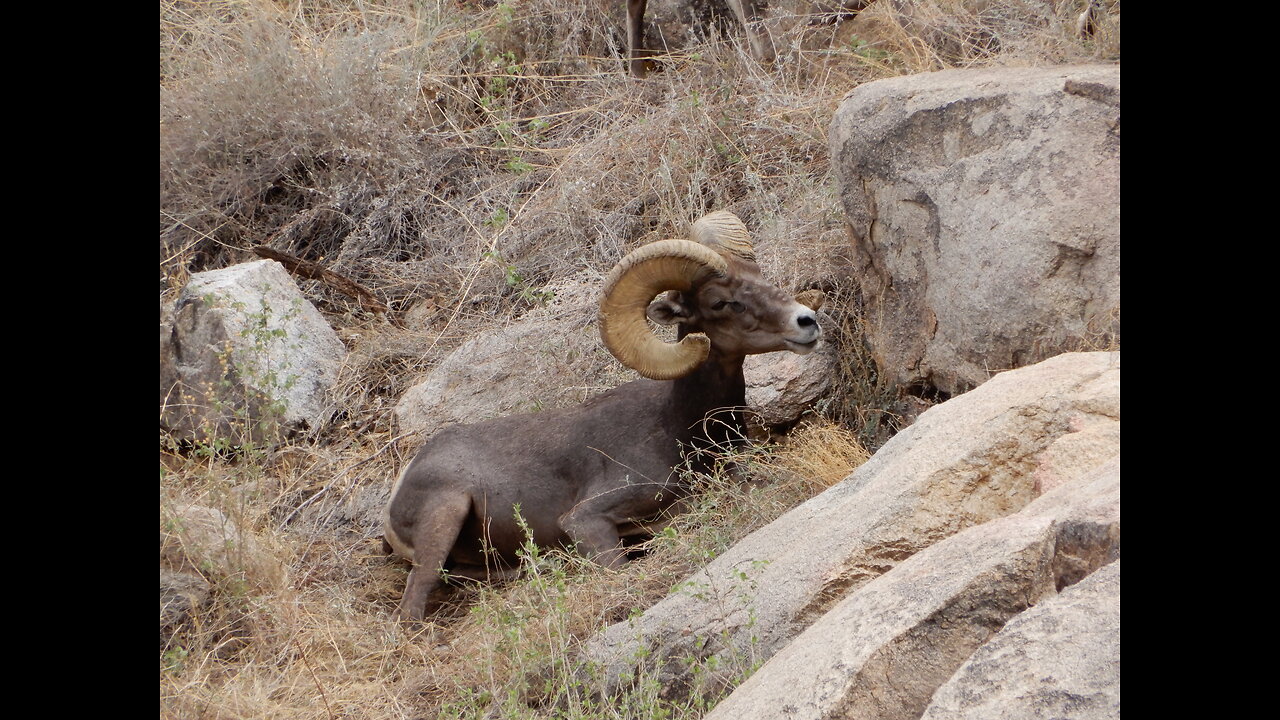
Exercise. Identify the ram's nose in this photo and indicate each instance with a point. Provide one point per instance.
(805, 332)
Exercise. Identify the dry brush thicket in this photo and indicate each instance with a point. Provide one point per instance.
(456, 159)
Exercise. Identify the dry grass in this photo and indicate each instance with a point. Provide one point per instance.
(815, 456)
(299, 620)
(458, 159)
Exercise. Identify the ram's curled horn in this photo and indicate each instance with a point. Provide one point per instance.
(812, 299)
(636, 280)
(725, 232)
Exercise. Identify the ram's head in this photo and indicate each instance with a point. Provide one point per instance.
(714, 292)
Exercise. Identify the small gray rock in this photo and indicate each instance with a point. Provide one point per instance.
(244, 350)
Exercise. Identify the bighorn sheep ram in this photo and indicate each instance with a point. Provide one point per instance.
(608, 469)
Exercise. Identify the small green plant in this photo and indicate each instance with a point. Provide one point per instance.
(505, 13)
(865, 50)
(248, 399)
(497, 87)
(506, 133)
(497, 221)
(518, 166)
(728, 153)
(503, 73)
(508, 62)
(517, 282)
(173, 659)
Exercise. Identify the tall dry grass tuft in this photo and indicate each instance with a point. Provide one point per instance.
(470, 163)
(815, 456)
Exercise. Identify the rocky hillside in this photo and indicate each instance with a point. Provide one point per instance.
(378, 221)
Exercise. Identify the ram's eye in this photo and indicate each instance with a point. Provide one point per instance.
(732, 304)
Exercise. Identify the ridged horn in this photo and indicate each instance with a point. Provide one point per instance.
(725, 232)
(812, 299)
(636, 280)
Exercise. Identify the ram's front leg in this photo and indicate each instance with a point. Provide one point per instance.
(595, 535)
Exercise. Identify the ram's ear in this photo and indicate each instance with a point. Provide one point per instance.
(669, 309)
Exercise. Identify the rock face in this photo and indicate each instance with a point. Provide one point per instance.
(963, 465)
(244, 353)
(1059, 659)
(202, 538)
(883, 651)
(984, 211)
(181, 596)
(781, 386)
(550, 358)
(198, 544)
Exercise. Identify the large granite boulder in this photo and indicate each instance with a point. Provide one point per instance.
(182, 596)
(883, 651)
(964, 464)
(551, 357)
(1061, 658)
(202, 548)
(782, 386)
(984, 211)
(198, 538)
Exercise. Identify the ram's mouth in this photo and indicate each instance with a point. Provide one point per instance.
(803, 348)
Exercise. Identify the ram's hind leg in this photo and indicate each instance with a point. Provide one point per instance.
(434, 534)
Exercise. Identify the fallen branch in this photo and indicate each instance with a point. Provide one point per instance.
(312, 271)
